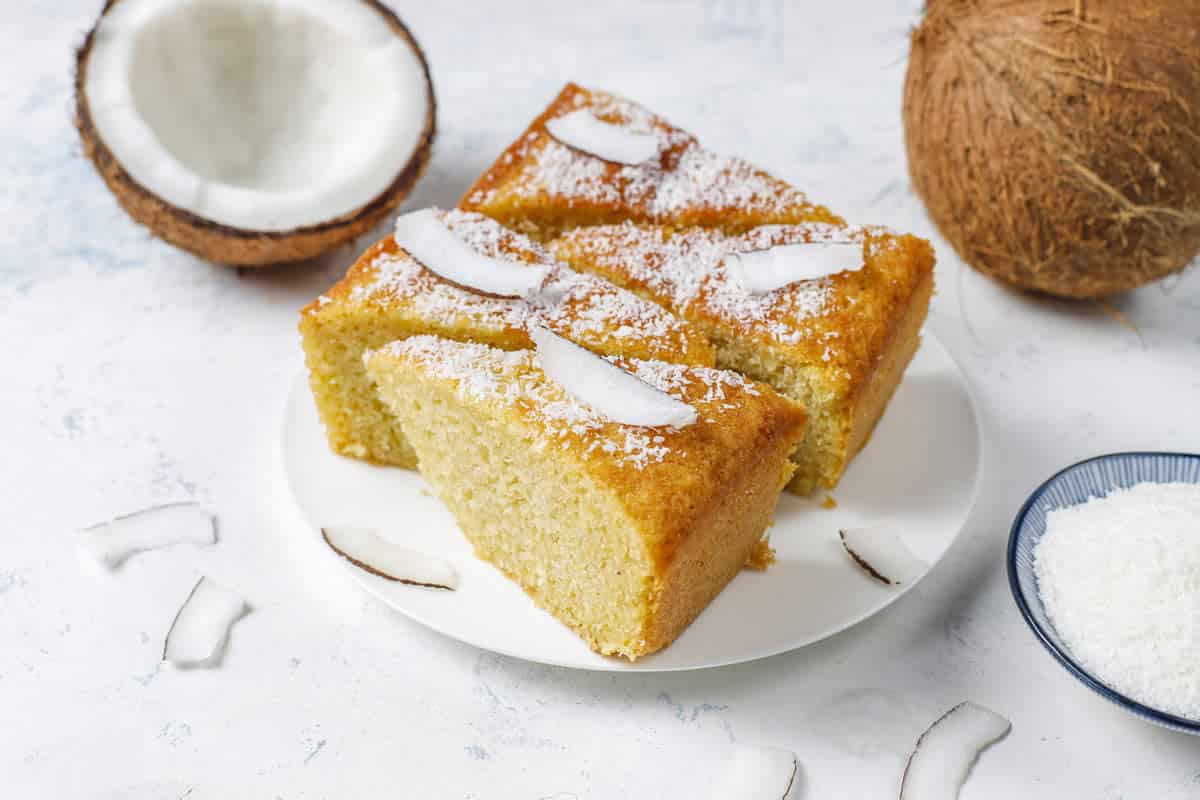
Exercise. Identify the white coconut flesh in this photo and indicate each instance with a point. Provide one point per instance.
(612, 392)
(758, 773)
(945, 753)
(262, 115)
(763, 271)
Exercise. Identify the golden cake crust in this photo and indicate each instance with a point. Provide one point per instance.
(842, 323)
(387, 295)
(541, 186)
(667, 478)
(593, 313)
(838, 344)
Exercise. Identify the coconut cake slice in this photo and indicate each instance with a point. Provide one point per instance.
(387, 295)
(544, 184)
(623, 532)
(838, 344)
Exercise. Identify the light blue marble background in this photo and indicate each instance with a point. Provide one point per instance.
(133, 372)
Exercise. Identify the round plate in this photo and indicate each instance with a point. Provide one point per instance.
(919, 473)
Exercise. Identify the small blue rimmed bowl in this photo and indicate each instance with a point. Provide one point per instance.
(1095, 477)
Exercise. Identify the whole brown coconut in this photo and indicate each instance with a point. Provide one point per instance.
(1057, 144)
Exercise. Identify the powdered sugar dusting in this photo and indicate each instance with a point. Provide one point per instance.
(689, 271)
(513, 379)
(685, 178)
(706, 180)
(583, 308)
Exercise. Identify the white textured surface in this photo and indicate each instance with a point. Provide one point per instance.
(134, 373)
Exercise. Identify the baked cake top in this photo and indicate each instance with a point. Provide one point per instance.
(541, 185)
(840, 323)
(584, 308)
(657, 471)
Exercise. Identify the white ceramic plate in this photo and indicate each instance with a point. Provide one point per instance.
(919, 472)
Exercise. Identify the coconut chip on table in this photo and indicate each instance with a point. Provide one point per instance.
(109, 544)
(758, 773)
(200, 631)
(940, 762)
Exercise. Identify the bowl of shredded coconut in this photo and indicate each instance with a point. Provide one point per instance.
(1104, 563)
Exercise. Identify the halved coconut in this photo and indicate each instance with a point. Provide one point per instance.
(252, 132)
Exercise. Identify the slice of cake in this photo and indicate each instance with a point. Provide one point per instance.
(615, 181)
(837, 344)
(544, 184)
(623, 532)
(389, 295)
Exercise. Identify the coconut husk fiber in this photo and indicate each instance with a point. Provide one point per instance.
(1056, 145)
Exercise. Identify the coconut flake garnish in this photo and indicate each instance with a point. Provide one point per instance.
(110, 543)
(583, 130)
(368, 551)
(606, 388)
(426, 238)
(882, 554)
(758, 773)
(945, 753)
(198, 635)
(762, 271)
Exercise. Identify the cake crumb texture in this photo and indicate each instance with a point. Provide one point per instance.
(624, 533)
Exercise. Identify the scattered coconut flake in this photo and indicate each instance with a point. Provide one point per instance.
(110, 543)
(200, 630)
(761, 271)
(429, 240)
(758, 773)
(882, 554)
(368, 551)
(617, 394)
(945, 753)
(582, 130)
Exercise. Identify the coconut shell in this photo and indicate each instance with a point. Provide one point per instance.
(225, 244)
(1056, 145)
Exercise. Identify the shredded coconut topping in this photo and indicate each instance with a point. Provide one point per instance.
(685, 177)
(689, 270)
(514, 380)
(1120, 580)
(583, 308)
